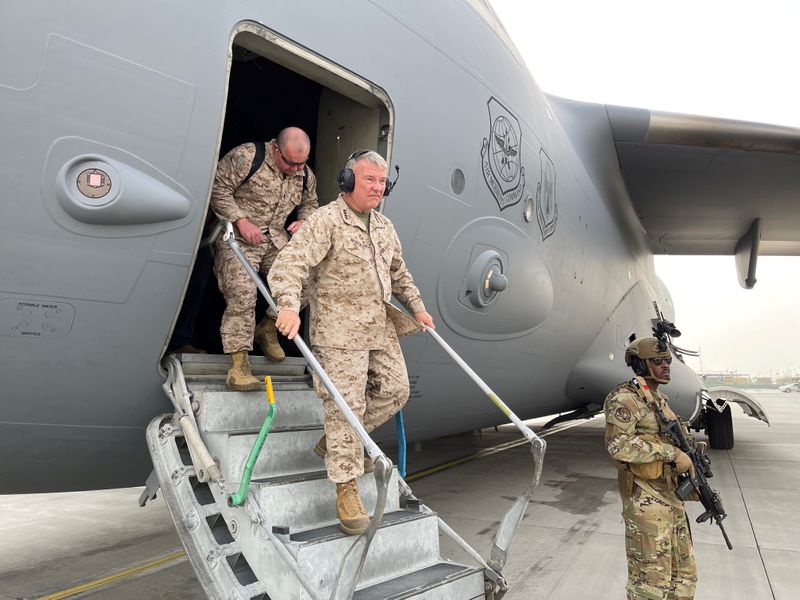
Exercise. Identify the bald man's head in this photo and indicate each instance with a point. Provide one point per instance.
(291, 150)
(294, 140)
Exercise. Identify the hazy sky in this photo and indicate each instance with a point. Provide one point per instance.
(729, 59)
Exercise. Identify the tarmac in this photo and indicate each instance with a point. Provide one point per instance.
(569, 546)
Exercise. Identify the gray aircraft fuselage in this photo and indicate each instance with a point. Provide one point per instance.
(113, 116)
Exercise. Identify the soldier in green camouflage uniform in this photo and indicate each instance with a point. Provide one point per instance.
(658, 542)
(351, 256)
(258, 208)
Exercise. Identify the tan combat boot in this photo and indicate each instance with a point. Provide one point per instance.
(321, 450)
(266, 336)
(240, 378)
(353, 519)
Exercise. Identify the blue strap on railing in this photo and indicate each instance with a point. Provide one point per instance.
(401, 443)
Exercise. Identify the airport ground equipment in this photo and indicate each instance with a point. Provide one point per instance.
(284, 541)
(280, 538)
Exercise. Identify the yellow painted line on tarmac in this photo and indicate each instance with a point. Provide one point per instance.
(164, 560)
(483, 453)
(98, 583)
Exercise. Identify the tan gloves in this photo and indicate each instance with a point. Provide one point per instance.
(683, 463)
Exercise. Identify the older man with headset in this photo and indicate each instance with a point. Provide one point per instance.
(353, 262)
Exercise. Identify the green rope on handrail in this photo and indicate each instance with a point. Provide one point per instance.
(238, 498)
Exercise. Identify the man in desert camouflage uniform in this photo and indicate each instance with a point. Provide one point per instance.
(258, 207)
(658, 542)
(352, 257)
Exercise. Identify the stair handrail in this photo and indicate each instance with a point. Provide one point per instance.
(369, 445)
(174, 387)
(498, 582)
(513, 517)
(348, 576)
(238, 498)
(353, 561)
(257, 517)
(203, 462)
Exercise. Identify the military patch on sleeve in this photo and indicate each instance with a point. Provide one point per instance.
(623, 415)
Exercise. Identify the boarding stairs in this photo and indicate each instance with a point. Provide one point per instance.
(285, 542)
(256, 513)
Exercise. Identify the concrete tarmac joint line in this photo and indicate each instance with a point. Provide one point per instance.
(759, 548)
(139, 570)
(485, 452)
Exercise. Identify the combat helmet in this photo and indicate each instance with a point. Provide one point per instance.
(640, 350)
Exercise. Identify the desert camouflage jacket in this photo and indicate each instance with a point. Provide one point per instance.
(267, 198)
(352, 274)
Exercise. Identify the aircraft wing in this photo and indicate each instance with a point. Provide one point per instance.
(702, 185)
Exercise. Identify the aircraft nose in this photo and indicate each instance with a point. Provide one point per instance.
(683, 390)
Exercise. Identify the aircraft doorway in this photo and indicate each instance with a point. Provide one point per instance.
(274, 84)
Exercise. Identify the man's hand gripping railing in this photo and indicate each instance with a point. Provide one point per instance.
(687, 484)
(353, 561)
(512, 519)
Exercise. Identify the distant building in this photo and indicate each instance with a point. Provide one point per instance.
(737, 379)
(712, 378)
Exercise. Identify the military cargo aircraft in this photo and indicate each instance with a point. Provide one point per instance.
(529, 222)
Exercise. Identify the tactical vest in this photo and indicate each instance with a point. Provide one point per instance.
(655, 476)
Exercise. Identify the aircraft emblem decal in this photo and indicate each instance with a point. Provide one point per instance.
(501, 156)
(546, 207)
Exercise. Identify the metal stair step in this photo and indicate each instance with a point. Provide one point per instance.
(405, 541)
(307, 500)
(327, 533)
(292, 491)
(244, 412)
(284, 453)
(218, 364)
(218, 381)
(440, 581)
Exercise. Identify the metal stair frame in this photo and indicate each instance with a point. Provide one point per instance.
(218, 562)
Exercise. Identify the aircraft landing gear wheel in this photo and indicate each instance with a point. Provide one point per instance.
(719, 428)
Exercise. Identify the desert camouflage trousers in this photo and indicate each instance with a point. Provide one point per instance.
(238, 320)
(658, 544)
(374, 383)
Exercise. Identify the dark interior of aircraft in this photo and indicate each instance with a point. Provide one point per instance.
(263, 98)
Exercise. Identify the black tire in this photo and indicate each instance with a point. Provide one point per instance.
(719, 428)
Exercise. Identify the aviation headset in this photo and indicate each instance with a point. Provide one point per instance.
(347, 178)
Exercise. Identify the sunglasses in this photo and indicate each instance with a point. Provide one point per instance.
(291, 163)
(658, 360)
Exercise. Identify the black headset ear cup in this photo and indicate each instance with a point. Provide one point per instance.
(638, 366)
(346, 180)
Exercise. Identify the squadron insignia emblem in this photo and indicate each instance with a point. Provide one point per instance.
(623, 415)
(501, 156)
(546, 208)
